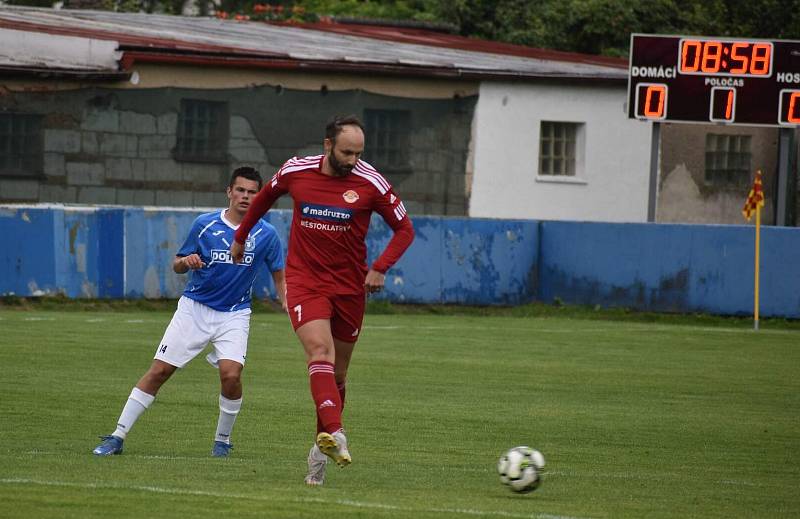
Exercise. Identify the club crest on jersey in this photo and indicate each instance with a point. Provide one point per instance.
(250, 244)
(350, 196)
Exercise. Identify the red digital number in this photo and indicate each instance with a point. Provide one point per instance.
(690, 56)
(789, 107)
(759, 61)
(722, 104)
(792, 115)
(743, 59)
(725, 57)
(654, 101)
(729, 105)
(712, 54)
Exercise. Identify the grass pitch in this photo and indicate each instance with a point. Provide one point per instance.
(635, 420)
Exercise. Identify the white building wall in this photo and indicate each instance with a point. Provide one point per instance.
(611, 182)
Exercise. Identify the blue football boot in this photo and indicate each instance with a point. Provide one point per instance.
(221, 449)
(111, 445)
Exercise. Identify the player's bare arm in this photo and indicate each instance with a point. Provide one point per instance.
(279, 278)
(374, 281)
(401, 240)
(183, 264)
(237, 252)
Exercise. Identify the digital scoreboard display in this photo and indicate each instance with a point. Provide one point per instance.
(714, 80)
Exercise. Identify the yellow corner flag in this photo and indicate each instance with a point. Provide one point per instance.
(755, 199)
(753, 204)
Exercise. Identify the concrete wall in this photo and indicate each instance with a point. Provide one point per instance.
(128, 253)
(685, 196)
(672, 268)
(117, 146)
(79, 252)
(613, 183)
(678, 268)
(176, 76)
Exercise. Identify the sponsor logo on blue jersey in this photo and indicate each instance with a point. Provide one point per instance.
(224, 256)
(327, 213)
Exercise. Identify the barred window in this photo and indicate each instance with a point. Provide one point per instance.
(202, 131)
(21, 144)
(386, 135)
(557, 148)
(727, 160)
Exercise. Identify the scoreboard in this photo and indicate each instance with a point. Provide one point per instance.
(714, 80)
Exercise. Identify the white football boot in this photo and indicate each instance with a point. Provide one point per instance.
(317, 462)
(334, 446)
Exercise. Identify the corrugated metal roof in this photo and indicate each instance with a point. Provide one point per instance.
(310, 46)
(407, 34)
(50, 51)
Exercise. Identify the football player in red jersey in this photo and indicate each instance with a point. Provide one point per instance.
(327, 278)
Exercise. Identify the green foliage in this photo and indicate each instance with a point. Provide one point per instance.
(389, 9)
(605, 26)
(635, 420)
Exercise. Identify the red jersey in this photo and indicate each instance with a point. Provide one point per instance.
(327, 248)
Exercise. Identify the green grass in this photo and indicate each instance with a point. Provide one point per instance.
(382, 307)
(636, 419)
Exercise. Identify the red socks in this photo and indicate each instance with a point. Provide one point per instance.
(341, 388)
(326, 396)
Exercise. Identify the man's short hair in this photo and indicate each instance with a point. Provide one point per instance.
(248, 173)
(334, 127)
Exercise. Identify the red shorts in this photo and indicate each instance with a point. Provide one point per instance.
(345, 312)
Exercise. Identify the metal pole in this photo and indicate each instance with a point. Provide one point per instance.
(655, 140)
(784, 145)
(757, 268)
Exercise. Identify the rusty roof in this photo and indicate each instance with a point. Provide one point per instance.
(310, 47)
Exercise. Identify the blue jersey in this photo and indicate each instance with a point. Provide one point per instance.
(222, 284)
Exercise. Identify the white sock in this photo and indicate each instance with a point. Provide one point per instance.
(228, 409)
(317, 454)
(137, 402)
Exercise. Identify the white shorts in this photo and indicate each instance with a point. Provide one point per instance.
(194, 325)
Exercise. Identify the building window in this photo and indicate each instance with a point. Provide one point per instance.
(557, 148)
(202, 131)
(727, 160)
(21, 144)
(387, 139)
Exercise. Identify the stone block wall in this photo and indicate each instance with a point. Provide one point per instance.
(118, 147)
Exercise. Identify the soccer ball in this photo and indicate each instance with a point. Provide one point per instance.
(521, 469)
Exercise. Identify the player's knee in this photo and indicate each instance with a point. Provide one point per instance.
(319, 351)
(230, 379)
(159, 373)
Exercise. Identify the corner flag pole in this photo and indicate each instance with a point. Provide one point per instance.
(754, 202)
(758, 248)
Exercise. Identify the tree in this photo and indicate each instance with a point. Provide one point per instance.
(604, 26)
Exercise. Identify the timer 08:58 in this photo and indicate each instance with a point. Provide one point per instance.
(737, 58)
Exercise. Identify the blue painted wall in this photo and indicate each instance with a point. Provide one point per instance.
(151, 239)
(679, 268)
(127, 252)
(461, 261)
(28, 259)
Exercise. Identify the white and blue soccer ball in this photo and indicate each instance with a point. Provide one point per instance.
(520, 469)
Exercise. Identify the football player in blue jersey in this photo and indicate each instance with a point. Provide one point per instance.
(214, 307)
